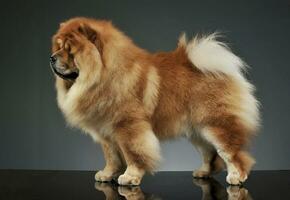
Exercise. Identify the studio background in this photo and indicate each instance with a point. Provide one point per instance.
(33, 133)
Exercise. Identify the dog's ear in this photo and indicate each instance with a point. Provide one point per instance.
(92, 35)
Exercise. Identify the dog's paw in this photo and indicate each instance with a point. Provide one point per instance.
(201, 174)
(126, 179)
(234, 178)
(103, 176)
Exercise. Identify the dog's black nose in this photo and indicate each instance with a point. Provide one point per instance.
(52, 59)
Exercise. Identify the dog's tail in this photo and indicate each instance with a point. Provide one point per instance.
(211, 56)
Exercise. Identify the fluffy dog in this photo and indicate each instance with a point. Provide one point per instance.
(128, 99)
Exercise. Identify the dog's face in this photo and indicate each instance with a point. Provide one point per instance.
(66, 44)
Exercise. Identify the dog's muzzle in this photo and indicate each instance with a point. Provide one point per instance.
(62, 73)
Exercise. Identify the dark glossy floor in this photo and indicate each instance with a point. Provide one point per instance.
(74, 185)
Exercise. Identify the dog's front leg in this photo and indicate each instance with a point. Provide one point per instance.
(140, 149)
(114, 162)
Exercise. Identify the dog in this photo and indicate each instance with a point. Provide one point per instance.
(129, 100)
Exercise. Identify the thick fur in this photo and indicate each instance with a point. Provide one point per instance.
(129, 99)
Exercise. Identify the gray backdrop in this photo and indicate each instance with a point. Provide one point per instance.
(33, 134)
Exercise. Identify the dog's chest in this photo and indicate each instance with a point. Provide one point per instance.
(81, 110)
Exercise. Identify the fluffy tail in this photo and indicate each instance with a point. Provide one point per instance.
(211, 56)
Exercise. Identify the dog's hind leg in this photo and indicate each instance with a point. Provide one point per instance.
(229, 137)
(211, 161)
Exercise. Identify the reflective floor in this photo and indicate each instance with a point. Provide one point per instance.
(74, 185)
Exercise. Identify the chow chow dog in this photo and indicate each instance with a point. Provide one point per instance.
(129, 100)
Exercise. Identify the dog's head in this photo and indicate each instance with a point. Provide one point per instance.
(68, 43)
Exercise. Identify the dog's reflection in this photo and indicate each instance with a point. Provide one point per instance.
(114, 192)
(211, 189)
